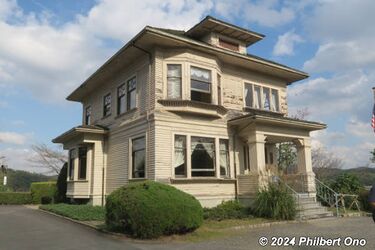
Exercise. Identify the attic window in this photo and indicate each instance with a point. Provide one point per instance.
(228, 45)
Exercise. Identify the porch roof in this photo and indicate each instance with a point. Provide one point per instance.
(278, 119)
(73, 132)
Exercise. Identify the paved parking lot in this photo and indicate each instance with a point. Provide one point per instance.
(23, 228)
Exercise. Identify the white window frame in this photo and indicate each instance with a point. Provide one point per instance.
(261, 96)
(188, 156)
(130, 156)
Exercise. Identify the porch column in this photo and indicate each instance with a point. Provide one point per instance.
(305, 165)
(257, 158)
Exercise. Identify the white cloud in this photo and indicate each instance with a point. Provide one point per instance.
(18, 158)
(51, 61)
(13, 138)
(266, 13)
(285, 43)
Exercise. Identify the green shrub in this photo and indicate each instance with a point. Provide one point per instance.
(150, 209)
(347, 184)
(276, 203)
(42, 189)
(77, 212)
(15, 198)
(226, 210)
(61, 184)
(46, 200)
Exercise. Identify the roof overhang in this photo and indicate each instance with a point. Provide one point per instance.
(78, 131)
(210, 24)
(276, 121)
(150, 37)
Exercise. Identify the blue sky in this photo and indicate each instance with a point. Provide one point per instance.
(48, 48)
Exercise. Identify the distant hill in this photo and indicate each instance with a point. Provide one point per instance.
(365, 175)
(19, 180)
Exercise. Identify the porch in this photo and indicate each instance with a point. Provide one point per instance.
(257, 138)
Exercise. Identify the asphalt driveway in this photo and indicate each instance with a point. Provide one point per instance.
(23, 228)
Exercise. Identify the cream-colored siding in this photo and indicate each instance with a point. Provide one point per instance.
(140, 69)
(232, 78)
(209, 194)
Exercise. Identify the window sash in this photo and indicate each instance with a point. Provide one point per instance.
(71, 164)
(82, 166)
(174, 81)
(224, 157)
(107, 105)
(121, 99)
(203, 156)
(180, 156)
(259, 97)
(88, 115)
(200, 80)
(139, 157)
(131, 93)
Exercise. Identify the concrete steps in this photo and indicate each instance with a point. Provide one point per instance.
(309, 208)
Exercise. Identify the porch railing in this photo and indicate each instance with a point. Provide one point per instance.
(334, 199)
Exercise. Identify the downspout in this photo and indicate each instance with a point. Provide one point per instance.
(103, 169)
(149, 94)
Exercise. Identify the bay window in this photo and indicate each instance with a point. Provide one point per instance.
(207, 159)
(174, 81)
(259, 97)
(200, 84)
(179, 156)
(138, 157)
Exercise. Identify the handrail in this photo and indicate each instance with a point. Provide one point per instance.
(319, 191)
(296, 194)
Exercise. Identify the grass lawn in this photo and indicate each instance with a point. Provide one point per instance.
(209, 230)
(77, 212)
(217, 229)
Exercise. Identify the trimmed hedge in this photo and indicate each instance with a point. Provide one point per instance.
(227, 210)
(15, 198)
(41, 190)
(150, 209)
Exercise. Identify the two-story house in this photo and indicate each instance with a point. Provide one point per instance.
(189, 108)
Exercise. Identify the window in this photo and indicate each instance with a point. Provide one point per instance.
(71, 164)
(88, 115)
(82, 165)
(275, 100)
(132, 88)
(200, 85)
(224, 158)
(180, 156)
(202, 157)
(107, 105)
(219, 101)
(174, 81)
(228, 45)
(261, 97)
(257, 97)
(121, 99)
(266, 98)
(248, 95)
(138, 157)
(246, 157)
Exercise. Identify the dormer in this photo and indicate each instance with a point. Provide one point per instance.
(224, 35)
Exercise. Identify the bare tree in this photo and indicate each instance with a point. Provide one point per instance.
(48, 158)
(301, 114)
(321, 158)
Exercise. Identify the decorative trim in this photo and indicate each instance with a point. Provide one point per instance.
(201, 180)
(207, 108)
